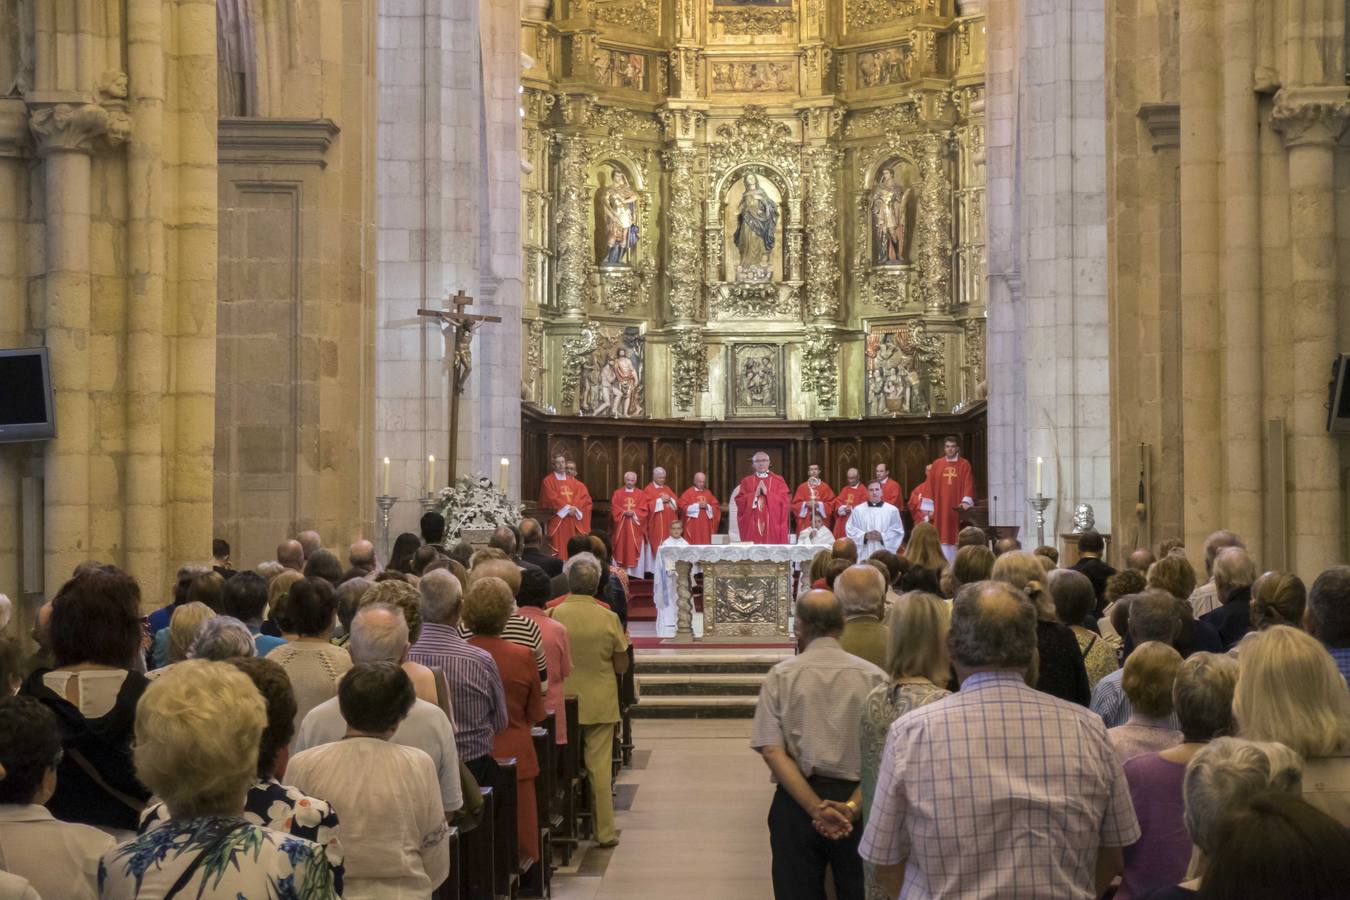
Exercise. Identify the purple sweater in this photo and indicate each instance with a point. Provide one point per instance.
(1160, 856)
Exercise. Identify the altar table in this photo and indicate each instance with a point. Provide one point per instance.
(747, 589)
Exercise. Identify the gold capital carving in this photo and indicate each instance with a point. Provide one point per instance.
(820, 366)
(689, 366)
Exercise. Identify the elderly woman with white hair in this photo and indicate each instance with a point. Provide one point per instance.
(198, 730)
(1290, 690)
(215, 638)
(1222, 778)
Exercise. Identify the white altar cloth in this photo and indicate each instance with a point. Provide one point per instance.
(664, 593)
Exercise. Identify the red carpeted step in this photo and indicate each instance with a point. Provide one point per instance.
(641, 607)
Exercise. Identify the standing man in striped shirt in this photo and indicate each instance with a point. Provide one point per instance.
(476, 692)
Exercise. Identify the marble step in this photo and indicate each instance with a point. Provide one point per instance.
(710, 662)
(687, 684)
(695, 707)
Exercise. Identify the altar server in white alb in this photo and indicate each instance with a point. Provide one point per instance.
(875, 525)
(818, 535)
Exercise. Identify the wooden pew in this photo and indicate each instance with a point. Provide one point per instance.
(535, 877)
(628, 698)
(579, 820)
(449, 889)
(477, 870)
(506, 855)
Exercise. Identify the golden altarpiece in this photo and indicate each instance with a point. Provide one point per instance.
(760, 209)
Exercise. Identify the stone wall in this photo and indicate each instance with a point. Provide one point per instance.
(1048, 347)
(448, 184)
(108, 257)
(293, 379)
(1229, 288)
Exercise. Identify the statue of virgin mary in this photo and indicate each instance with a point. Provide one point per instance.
(756, 220)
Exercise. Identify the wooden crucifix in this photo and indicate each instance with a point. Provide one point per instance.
(460, 326)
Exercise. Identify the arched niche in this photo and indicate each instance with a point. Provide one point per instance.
(891, 204)
(763, 195)
(618, 190)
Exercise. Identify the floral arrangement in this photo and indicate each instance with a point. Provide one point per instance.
(472, 503)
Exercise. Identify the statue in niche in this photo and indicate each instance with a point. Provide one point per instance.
(890, 209)
(756, 222)
(618, 209)
(896, 375)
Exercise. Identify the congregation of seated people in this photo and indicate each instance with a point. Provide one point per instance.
(304, 728)
(1004, 726)
(995, 726)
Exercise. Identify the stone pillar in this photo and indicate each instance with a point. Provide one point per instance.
(65, 134)
(144, 530)
(1241, 263)
(1311, 121)
(1203, 453)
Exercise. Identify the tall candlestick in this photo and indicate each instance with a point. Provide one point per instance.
(505, 473)
(1039, 462)
(386, 477)
(431, 474)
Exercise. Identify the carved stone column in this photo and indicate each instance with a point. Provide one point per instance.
(573, 242)
(822, 236)
(1311, 121)
(935, 224)
(684, 264)
(66, 135)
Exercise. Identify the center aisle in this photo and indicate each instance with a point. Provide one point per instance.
(696, 825)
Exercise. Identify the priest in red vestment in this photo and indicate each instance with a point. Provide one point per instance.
(850, 495)
(663, 507)
(951, 483)
(569, 504)
(890, 488)
(628, 509)
(702, 512)
(812, 496)
(916, 496)
(763, 504)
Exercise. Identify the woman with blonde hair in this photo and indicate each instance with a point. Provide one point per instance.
(1289, 690)
(924, 549)
(1278, 598)
(1062, 672)
(919, 670)
(198, 730)
(183, 627)
(278, 592)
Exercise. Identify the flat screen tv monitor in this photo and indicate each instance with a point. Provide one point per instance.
(1338, 410)
(26, 409)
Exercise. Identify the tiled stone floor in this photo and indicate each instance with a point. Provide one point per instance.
(694, 827)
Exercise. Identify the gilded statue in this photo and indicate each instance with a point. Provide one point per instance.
(618, 207)
(890, 203)
(756, 221)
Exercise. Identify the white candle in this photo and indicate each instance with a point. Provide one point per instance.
(386, 477)
(1039, 462)
(505, 472)
(431, 474)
